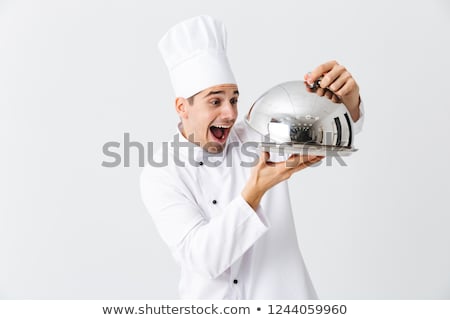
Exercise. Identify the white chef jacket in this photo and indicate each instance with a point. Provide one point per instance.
(225, 249)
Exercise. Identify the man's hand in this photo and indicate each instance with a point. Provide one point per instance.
(266, 174)
(337, 85)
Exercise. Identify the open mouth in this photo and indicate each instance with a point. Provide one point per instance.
(220, 132)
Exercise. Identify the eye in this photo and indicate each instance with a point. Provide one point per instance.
(234, 101)
(215, 102)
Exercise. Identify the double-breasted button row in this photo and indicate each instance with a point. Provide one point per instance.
(201, 163)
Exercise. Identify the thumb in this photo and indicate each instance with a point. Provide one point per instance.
(264, 157)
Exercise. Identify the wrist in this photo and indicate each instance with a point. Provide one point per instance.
(252, 195)
(353, 108)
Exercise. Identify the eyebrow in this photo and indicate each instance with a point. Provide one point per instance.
(219, 92)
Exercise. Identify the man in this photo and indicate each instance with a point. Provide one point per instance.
(230, 227)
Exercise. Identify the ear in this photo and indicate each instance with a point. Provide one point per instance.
(181, 106)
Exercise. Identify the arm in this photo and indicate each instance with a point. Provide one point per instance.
(208, 246)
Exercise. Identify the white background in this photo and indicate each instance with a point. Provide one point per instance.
(77, 74)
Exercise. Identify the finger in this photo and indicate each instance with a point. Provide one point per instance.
(313, 159)
(296, 159)
(301, 157)
(308, 163)
(306, 76)
(336, 99)
(264, 158)
(292, 161)
(317, 159)
(347, 89)
(308, 79)
(308, 88)
(320, 71)
(329, 94)
(301, 166)
(332, 75)
(340, 81)
(320, 92)
(305, 157)
(311, 163)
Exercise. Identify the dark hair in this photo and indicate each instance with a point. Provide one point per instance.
(191, 98)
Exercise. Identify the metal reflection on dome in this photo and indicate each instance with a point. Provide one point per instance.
(295, 120)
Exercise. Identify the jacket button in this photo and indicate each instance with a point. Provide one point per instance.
(235, 281)
(214, 201)
(200, 163)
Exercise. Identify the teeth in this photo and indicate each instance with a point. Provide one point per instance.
(222, 127)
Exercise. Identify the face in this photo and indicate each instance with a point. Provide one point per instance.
(208, 120)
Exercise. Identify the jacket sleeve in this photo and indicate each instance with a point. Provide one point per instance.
(357, 126)
(206, 246)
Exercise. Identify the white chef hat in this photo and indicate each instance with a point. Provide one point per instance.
(194, 51)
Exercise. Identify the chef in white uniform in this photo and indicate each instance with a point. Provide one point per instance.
(228, 224)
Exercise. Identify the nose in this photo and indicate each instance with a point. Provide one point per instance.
(229, 111)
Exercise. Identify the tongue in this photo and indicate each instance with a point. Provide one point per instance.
(217, 132)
